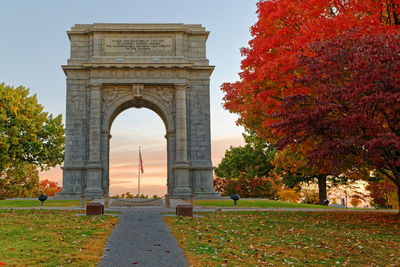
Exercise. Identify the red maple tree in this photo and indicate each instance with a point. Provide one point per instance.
(353, 114)
(383, 193)
(49, 187)
(284, 30)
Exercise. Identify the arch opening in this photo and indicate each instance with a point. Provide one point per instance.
(138, 104)
(133, 126)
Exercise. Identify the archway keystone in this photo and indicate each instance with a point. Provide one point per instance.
(113, 67)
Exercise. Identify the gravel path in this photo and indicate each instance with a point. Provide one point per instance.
(141, 238)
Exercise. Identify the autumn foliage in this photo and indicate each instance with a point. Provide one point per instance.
(49, 187)
(383, 193)
(247, 170)
(256, 187)
(284, 29)
(289, 195)
(324, 76)
(353, 115)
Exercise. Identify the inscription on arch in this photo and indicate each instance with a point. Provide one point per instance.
(139, 45)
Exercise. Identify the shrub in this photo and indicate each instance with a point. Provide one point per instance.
(49, 187)
(310, 196)
(355, 201)
(265, 187)
(289, 195)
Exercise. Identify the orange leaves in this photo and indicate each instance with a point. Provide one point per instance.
(284, 30)
(49, 187)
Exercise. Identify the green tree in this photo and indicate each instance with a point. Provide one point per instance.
(29, 139)
(19, 180)
(246, 169)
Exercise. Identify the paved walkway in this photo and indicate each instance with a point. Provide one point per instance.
(142, 238)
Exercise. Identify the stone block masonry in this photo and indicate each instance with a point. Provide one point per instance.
(113, 67)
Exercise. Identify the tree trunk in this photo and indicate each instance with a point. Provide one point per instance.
(322, 189)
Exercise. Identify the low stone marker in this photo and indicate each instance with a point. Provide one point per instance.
(184, 210)
(94, 209)
(106, 201)
(83, 203)
(191, 200)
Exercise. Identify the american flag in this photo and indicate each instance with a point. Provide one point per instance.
(140, 161)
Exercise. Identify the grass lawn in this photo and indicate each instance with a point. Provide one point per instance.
(52, 237)
(36, 203)
(256, 203)
(260, 238)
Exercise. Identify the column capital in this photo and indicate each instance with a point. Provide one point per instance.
(169, 134)
(181, 86)
(95, 86)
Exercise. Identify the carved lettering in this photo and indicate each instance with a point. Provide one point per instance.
(138, 45)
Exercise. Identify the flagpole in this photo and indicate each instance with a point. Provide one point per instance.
(138, 191)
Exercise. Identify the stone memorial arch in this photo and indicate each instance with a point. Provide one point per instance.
(113, 67)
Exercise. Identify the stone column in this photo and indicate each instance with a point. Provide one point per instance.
(94, 166)
(105, 140)
(181, 167)
(170, 136)
(181, 124)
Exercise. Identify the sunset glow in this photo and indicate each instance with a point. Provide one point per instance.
(143, 127)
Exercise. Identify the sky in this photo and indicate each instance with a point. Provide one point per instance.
(34, 45)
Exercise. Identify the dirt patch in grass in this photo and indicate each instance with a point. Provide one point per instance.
(52, 237)
(289, 238)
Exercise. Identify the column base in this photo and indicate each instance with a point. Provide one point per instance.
(182, 189)
(182, 192)
(205, 195)
(92, 193)
(93, 181)
(68, 196)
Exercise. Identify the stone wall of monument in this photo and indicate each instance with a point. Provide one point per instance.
(167, 64)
